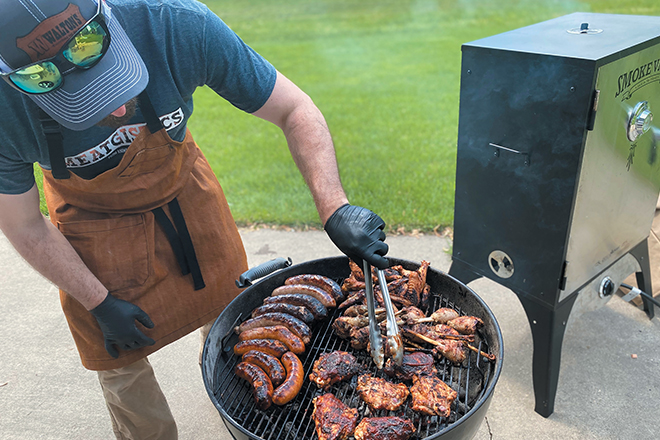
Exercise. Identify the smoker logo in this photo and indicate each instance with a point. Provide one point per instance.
(635, 79)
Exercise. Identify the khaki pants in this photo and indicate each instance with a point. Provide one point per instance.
(137, 405)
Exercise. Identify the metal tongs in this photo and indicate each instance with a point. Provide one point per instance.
(394, 341)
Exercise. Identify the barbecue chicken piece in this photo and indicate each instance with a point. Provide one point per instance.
(444, 314)
(467, 325)
(344, 324)
(360, 338)
(333, 419)
(416, 286)
(351, 284)
(333, 367)
(411, 315)
(453, 350)
(384, 428)
(381, 394)
(416, 363)
(431, 396)
(354, 297)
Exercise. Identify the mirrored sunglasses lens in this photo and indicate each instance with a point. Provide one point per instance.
(38, 78)
(87, 47)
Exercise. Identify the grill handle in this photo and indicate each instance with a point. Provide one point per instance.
(261, 271)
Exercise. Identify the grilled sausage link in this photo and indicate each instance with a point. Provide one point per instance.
(317, 293)
(271, 366)
(299, 312)
(262, 387)
(277, 332)
(295, 375)
(295, 325)
(312, 304)
(270, 346)
(325, 283)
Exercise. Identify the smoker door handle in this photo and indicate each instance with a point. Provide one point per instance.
(511, 150)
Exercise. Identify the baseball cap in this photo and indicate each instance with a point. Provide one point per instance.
(34, 30)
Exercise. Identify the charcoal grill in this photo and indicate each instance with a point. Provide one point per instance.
(475, 379)
(557, 172)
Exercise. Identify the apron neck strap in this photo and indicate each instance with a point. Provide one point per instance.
(150, 116)
(55, 141)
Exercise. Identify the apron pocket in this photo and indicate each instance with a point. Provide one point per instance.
(115, 250)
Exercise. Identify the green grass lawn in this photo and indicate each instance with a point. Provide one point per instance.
(386, 76)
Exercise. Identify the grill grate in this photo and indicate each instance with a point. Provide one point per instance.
(293, 421)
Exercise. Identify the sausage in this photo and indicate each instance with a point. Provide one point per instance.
(325, 283)
(295, 375)
(295, 325)
(299, 312)
(271, 366)
(270, 346)
(317, 293)
(277, 332)
(262, 387)
(312, 304)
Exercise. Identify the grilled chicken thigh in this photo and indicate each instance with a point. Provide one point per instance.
(416, 363)
(333, 367)
(431, 396)
(384, 428)
(381, 394)
(333, 419)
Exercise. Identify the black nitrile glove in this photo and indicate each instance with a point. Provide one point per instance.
(358, 233)
(116, 318)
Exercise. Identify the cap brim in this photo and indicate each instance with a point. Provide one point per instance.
(88, 96)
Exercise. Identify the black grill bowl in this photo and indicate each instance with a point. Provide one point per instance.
(475, 379)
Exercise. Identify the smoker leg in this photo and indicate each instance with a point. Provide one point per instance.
(548, 328)
(462, 272)
(641, 253)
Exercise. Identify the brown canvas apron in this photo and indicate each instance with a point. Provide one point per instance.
(109, 220)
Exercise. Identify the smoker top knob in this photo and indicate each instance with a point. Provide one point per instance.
(640, 121)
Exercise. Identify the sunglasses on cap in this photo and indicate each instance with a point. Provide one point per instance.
(83, 50)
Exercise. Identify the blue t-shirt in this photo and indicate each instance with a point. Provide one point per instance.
(184, 46)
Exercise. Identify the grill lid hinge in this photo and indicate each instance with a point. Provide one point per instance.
(592, 111)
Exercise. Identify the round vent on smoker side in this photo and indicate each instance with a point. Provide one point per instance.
(474, 380)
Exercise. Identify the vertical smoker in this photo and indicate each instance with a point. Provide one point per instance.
(557, 173)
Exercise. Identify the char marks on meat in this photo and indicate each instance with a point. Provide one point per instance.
(381, 394)
(452, 350)
(333, 367)
(431, 396)
(466, 325)
(333, 419)
(416, 363)
(384, 428)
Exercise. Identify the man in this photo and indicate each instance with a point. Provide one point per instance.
(140, 240)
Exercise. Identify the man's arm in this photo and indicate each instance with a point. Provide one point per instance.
(46, 249)
(309, 141)
(356, 231)
(49, 252)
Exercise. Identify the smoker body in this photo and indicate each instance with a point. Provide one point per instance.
(557, 172)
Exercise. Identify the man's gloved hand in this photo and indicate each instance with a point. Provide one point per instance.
(358, 233)
(116, 318)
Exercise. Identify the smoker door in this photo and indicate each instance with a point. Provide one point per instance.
(522, 124)
(619, 179)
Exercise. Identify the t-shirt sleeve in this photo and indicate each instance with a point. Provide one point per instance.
(16, 177)
(233, 69)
